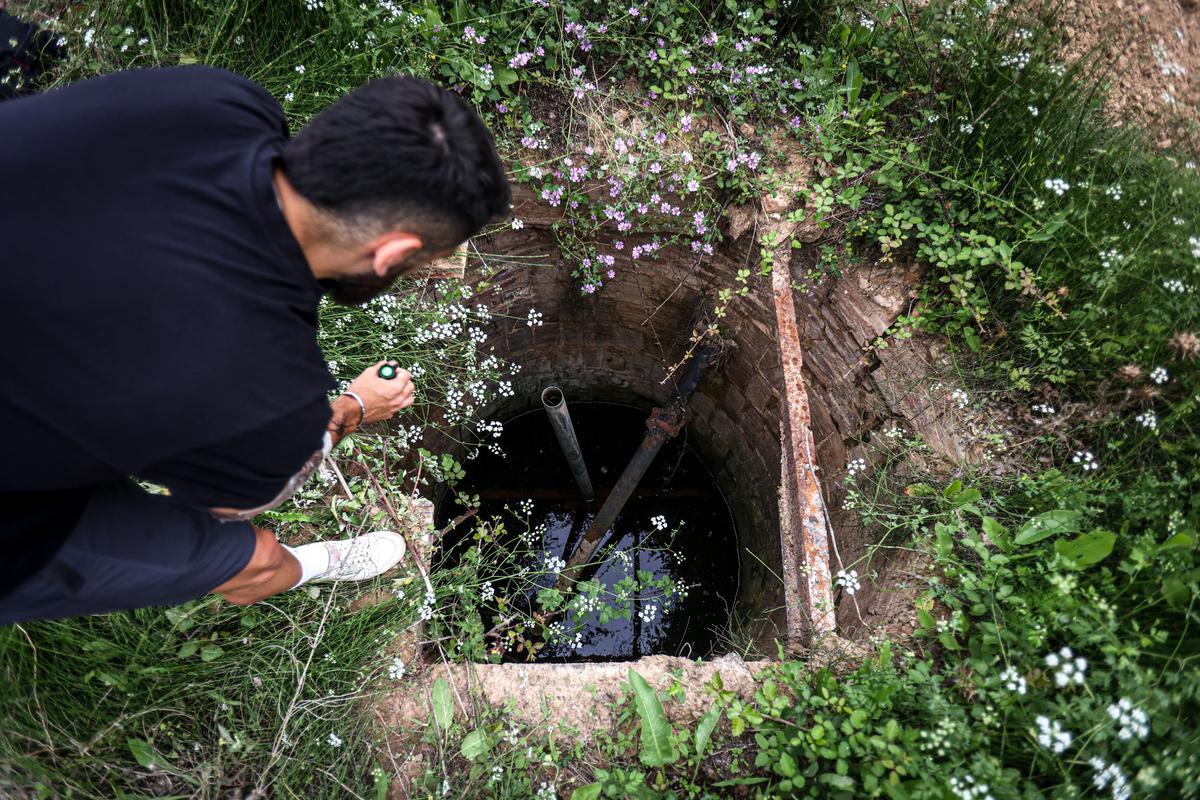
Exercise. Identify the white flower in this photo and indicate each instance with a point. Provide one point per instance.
(1175, 285)
(396, 669)
(487, 592)
(967, 789)
(300, 68)
(960, 398)
(516, 224)
(497, 773)
(1070, 668)
(289, 97)
(659, 522)
(1042, 408)
(648, 612)
(1194, 241)
(547, 791)
(334, 740)
(553, 564)
(533, 319)
(1057, 185)
(1110, 774)
(1133, 721)
(1159, 375)
(1148, 419)
(1085, 460)
(856, 466)
(1052, 735)
(1013, 681)
(848, 581)
(1033, 110)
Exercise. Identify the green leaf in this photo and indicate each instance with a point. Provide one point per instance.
(996, 532)
(1182, 539)
(443, 705)
(475, 744)
(505, 76)
(210, 652)
(142, 752)
(381, 782)
(1087, 549)
(705, 728)
(1051, 523)
(658, 742)
(740, 782)
(589, 792)
(1176, 592)
(187, 650)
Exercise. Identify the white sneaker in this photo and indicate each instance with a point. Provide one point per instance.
(362, 557)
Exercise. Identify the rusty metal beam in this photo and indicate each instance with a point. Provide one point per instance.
(802, 505)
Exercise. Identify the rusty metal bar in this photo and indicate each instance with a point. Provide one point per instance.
(662, 424)
(802, 490)
(555, 404)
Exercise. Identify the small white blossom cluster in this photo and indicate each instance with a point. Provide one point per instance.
(1148, 419)
(856, 466)
(553, 564)
(1115, 191)
(428, 607)
(1133, 721)
(1052, 735)
(1107, 774)
(848, 581)
(1085, 460)
(1069, 667)
(968, 789)
(534, 319)
(334, 740)
(396, 669)
(525, 507)
(1159, 375)
(960, 398)
(648, 613)
(1042, 408)
(1057, 185)
(1112, 258)
(1014, 681)
(497, 773)
(313, 5)
(1019, 60)
(659, 522)
(494, 428)
(487, 592)
(517, 223)
(1194, 243)
(1175, 285)
(547, 791)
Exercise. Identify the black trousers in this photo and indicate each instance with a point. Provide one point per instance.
(131, 549)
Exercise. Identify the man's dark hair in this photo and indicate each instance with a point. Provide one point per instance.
(401, 150)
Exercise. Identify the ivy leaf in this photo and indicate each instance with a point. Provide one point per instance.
(1088, 549)
(1051, 523)
(658, 741)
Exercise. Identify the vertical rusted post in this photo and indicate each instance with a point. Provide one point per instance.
(803, 491)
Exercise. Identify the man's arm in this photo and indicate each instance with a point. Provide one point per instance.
(381, 399)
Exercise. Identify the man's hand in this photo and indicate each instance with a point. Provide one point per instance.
(382, 398)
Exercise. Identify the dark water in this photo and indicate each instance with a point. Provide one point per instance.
(697, 548)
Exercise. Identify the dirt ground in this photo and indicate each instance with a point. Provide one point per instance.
(1152, 49)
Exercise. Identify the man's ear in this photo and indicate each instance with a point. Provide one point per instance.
(393, 248)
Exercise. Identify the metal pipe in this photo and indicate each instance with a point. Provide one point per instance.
(662, 424)
(560, 419)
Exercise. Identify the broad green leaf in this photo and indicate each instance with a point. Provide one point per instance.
(589, 792)
(1051, 523)
(210, 652)
(1087, 549)
(658, 742)
(704, 730)
(505, 76)
(142, 752)
(187, 650)
(475, 744)
(996, 532)
(1176, 592)
(1182, 539)
(443, 704)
